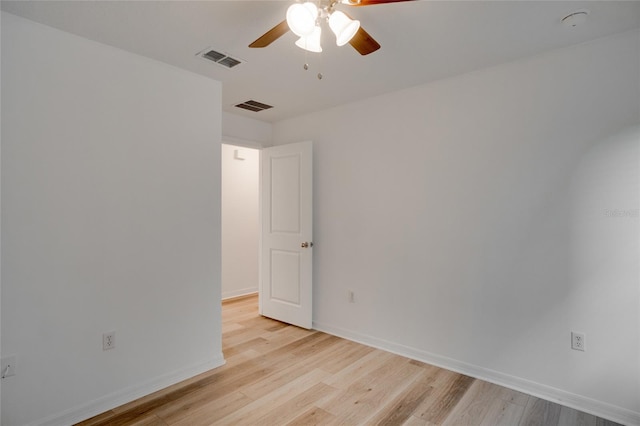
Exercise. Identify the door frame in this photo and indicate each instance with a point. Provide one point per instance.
(243, 143)
(229, 140)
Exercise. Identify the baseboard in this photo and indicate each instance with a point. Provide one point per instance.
(578, 402)
(116, 399)
(239, 293)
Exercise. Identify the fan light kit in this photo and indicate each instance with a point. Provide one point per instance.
(305, 20)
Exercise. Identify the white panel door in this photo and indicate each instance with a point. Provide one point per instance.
(286, 254)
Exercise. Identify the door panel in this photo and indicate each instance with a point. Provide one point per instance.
(286, 261)
(285, 194)
(285, 276)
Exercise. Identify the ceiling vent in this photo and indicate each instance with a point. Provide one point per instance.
(220, 58)
(253, 106)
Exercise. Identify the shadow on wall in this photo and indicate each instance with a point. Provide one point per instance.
(605, 259)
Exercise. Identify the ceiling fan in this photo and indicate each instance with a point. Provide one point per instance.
(304, 20)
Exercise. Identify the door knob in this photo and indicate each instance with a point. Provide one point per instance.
(306, 245)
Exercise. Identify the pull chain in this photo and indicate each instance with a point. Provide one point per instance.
(320, 63)
(306, 60)
(320, 68)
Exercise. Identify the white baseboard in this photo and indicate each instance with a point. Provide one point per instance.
(578, 402)
(116, 399)
(238, 293)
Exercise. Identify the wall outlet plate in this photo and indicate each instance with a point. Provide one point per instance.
(578, 342)
(108, 340)
(8, 366)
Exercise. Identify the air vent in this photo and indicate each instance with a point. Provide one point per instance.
(220, 58)
(229, 62)
(253, 106)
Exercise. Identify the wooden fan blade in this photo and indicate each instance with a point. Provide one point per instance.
(272, 35)
(369, 2)
(364, 43)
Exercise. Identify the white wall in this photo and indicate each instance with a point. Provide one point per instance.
(110, 221)
(0, 222)
(468, 217)
(240, 221)
(240, 130)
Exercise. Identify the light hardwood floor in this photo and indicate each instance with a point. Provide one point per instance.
(277, 374)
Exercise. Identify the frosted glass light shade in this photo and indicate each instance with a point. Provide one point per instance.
(343, 27)
(312, 41)
(301, 18)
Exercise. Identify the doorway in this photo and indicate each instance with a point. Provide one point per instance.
(267, 249)
(240, 218)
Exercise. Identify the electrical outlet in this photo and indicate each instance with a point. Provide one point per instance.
(351, 296)
(8, 367)
(578, 342)
(108, 340)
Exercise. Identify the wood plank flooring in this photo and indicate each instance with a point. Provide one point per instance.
(277, 374)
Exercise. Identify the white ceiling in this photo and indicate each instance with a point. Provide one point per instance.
(422, 41)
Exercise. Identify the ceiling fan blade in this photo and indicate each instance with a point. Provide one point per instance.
(364, 43)
(272, 35)
(369, 2)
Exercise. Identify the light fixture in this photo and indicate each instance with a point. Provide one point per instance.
(304, 21)
(343, 27)
(301, 18)
(312, 41)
